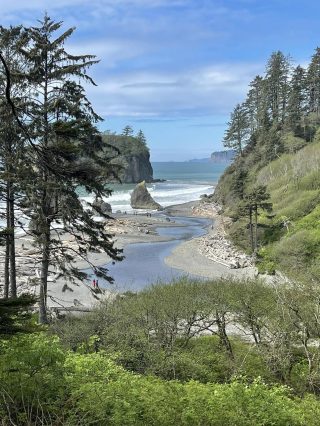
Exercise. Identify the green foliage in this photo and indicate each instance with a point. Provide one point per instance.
(127, 145)
(60, 150)
(179, 374)
(310, 222)
(292, 143)
(42, 384)
(237, 134)
(15, 315)
(31, 378)
(265, 262)
(283, 153)
(172, 331)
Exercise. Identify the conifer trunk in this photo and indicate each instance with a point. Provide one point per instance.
(256, 228)
(12, 248)
(251, 228)
(7, 252)
(43, 317)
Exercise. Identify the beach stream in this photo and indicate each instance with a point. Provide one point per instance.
(144, 262)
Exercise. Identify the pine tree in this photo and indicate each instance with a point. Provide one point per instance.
(313, 83)
(277, 81)
(238, 132)
(256, 105)
(254, 201)
(68, 153)
(141, 137)
(11, 146)
(15, 315)
(127, 131)
(296, 107)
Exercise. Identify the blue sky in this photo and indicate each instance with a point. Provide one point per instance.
(176, 68)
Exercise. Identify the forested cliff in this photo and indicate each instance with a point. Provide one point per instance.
(134, 155)
(272, 189)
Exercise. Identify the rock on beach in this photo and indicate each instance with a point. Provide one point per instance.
(141, 198)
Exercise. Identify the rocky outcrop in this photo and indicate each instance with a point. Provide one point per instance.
(100, 206)
(137, 168)
(223, 156)
(219, 249)
(141, 199)
(216, 245)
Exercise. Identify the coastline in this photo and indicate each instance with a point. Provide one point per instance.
(191, 257)
(188, 257)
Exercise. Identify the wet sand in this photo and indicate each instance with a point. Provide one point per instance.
(140, 228)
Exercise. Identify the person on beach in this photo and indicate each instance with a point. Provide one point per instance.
(97, 284)
(94, 283)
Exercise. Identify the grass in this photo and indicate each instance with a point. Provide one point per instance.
(293, 181)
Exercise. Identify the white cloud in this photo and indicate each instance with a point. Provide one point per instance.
(203, 91)
(109, 51)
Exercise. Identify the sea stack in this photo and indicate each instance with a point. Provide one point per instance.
(141, 198)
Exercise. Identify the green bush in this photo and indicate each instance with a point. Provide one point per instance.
(43, 385)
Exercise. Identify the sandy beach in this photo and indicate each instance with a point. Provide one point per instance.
(190, 256)
(204, 256)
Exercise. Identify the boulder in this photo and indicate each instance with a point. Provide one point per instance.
(101, 206)
(141, 199)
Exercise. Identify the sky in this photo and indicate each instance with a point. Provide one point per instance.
(176, 68)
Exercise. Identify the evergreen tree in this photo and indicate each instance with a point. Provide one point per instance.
(15, 315)
(141, 137)
(11, 147)
(277, 82)
(313, 83)
(127, 131)
(256, 105)
(255, 200)
(296, 107)
(68, 152)
(238, 132)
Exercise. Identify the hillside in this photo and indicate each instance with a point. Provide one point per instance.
(134, 157)
(272, 189)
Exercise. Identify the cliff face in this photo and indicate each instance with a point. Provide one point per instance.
(223, 156)
(137, 168)
(133, 156)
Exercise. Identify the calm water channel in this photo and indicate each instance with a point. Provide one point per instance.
(144, 262)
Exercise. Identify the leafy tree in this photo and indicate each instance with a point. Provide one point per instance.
(237, 134)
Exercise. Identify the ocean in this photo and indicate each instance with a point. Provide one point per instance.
(184, 181)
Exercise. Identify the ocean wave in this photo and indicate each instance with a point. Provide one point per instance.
(166, 194)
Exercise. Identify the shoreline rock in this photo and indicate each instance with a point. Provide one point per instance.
(215, 245)
(141, 198)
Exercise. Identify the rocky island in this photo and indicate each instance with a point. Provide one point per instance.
(133, 155)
